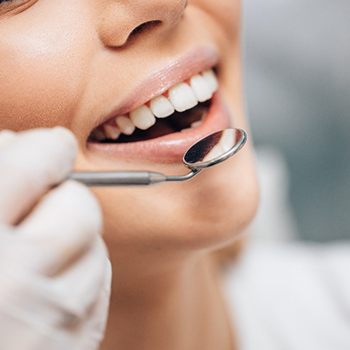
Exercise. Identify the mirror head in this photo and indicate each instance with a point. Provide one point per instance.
(214, 148)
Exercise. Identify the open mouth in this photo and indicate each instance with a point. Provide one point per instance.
(182, 107)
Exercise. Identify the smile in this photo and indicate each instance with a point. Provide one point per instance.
(179, 108)
(164, 126)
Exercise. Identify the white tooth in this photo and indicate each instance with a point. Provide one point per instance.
(98, 135)
(201, 88)
(227, 141)
(142, 117)
(182, 97)
(161, 107)
(112, 132)
(196, 124)
(125, 125)
(211, 80)
(214, 153)
(183, 130)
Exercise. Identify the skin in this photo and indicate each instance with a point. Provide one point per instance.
(68, 63)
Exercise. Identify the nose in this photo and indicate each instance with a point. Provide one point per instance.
(122, 19)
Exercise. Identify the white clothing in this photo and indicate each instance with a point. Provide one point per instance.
(291, 296)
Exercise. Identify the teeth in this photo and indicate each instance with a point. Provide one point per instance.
(112, 132)
(201, 88)
(193, 125)
(182, 97)
(142, 117)
(125, 125)
(196, 124)
(211, 80)
(183, 130)
(227, 141)
(216, 152)
(161, 107)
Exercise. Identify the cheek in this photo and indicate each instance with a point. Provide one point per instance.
(34, 93)
(226, 13)
(40, 70)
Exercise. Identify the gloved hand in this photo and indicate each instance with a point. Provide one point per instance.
(54, 270)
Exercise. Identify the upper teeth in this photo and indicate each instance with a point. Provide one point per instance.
(161, 107)
(181, 97)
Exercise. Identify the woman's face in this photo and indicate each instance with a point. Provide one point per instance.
(81, 64)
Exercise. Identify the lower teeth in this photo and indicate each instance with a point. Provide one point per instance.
(196, 124)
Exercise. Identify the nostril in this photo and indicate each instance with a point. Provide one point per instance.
(125, 34)
(144, 27)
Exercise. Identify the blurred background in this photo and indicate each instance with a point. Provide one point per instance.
(297, 85)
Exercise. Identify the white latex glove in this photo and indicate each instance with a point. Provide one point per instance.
(54, 271)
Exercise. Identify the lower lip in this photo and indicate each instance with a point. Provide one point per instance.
(169, 148)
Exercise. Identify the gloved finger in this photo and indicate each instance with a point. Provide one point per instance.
(95, 325)
(87, 276)
(61, 228)
(30, 163)
(68, 299)
(6, 136)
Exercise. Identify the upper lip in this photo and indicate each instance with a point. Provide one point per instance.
(175, 71)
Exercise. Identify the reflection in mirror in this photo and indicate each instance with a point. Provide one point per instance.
(215, 148)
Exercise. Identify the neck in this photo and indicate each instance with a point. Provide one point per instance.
(179, 307)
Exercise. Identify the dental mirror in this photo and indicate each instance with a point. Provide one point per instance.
(209, 151)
